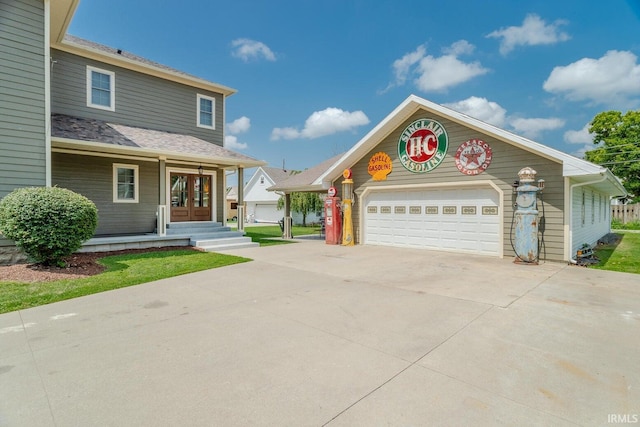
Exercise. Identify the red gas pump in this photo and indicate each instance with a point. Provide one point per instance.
(332, 218)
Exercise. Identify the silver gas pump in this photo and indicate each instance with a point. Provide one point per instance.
(526, 220)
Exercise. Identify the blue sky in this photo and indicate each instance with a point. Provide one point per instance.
(313, 77)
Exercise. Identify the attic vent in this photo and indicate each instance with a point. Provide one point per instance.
(119, 51)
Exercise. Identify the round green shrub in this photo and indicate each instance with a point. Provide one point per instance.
(47, 223)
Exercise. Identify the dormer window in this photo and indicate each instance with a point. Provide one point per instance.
(101, 89)
(206, 112)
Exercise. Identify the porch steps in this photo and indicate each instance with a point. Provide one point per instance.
(211, 236)
(222, 244)
(208, 236)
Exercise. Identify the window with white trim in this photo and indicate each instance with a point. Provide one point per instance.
(101, 89)
(206, 112)
(125, 183)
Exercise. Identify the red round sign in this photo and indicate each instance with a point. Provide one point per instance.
(422, 145)
(332, 192)
(473, 157)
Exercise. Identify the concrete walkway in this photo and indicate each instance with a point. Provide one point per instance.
(312, 334)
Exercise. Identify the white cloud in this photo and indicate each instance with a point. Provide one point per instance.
(436, 74)
(461, 47)
(532, 128)
(439, 74)
(240, 125)
(581, 136)
(612, 79)
(534, 31)
(231, 142)
(402, 66)
(321, 123)
(481, 109)
(247, 49)
(284, 133)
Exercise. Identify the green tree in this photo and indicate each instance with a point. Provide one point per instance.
(617, 137)
(304, 203)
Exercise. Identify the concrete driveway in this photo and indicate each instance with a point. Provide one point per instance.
(312, 334)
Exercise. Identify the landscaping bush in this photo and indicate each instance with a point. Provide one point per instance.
(47, 223)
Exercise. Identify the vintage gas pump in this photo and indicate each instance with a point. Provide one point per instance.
(332, 217)
(347, 199)
(526, 218)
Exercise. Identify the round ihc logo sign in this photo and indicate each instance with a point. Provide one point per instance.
(422, 146)
(473, 157)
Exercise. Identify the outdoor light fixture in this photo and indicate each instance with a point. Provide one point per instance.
(200, 170)
(541, 184)
(515, 185)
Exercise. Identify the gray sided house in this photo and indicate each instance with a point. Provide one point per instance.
(143, 141)
(463, 198)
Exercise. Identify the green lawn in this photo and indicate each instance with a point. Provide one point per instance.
(122, 271)
(623, 256)
(265, 234)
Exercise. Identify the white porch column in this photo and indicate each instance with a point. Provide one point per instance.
(288, 221)
(161, 225)
(240, 199)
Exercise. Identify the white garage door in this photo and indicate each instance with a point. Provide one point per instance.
(462, 220)
(268, 213)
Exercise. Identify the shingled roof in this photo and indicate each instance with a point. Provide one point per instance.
(152, 141)
(304, 180)
(278, 175)
(82, 47)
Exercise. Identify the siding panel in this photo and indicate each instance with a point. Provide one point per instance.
(506, 163)
(22, 95)
(93, 178)
(140, 100)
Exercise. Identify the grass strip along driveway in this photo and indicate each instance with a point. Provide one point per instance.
(121, 271)
(267, 235)
(622, 256)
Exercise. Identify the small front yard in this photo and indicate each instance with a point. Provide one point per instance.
(622, 256)
(121, 271)
(132, 269)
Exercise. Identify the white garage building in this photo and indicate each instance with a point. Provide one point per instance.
(430, 177)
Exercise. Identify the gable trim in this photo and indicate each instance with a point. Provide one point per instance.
(572, 166)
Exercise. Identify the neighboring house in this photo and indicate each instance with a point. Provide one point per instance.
(143, 141)
(461, 198)
(262, 204)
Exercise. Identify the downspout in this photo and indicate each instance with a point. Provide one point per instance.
(572, 259)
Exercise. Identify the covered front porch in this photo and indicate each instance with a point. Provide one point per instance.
(151, 188)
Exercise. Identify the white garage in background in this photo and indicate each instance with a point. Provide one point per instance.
(434, 217)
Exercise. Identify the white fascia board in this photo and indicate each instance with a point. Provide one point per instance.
(102, 148)
(375, 135)
(130, 64)
(572, 166)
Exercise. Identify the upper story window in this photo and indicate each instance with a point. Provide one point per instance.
(125, 183)
(101, 89)
(206, 112)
